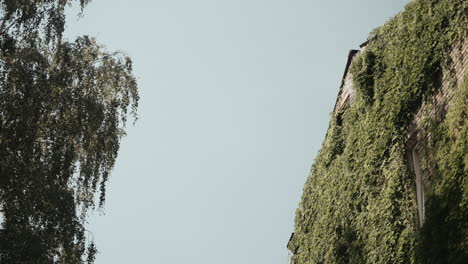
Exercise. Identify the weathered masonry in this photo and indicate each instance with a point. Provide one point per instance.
(434, 109)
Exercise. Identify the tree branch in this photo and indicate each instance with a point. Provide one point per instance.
(4, 20)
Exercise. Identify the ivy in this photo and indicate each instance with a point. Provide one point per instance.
(358, 204)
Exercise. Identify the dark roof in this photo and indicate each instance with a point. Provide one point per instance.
(364, 43)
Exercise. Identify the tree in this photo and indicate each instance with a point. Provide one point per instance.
(63, 110)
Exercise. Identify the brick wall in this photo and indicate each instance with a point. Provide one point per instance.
(452, 76)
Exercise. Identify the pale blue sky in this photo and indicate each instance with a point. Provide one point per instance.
(235, 101)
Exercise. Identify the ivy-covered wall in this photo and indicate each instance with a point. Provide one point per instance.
(359, 201)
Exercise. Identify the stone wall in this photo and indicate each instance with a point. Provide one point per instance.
(452, 75)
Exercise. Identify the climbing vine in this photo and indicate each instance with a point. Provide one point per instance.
(359, 204)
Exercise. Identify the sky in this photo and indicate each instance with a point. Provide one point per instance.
(236, 98)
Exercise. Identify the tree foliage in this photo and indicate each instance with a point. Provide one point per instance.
(63, 109)
(358, 204)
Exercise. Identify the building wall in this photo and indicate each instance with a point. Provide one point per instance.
(363, 202)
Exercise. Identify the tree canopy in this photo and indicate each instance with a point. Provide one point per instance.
(63, 109)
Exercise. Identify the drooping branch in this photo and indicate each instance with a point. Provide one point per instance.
(4, 20)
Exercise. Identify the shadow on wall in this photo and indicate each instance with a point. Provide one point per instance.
(444, 233)
(348, 248)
